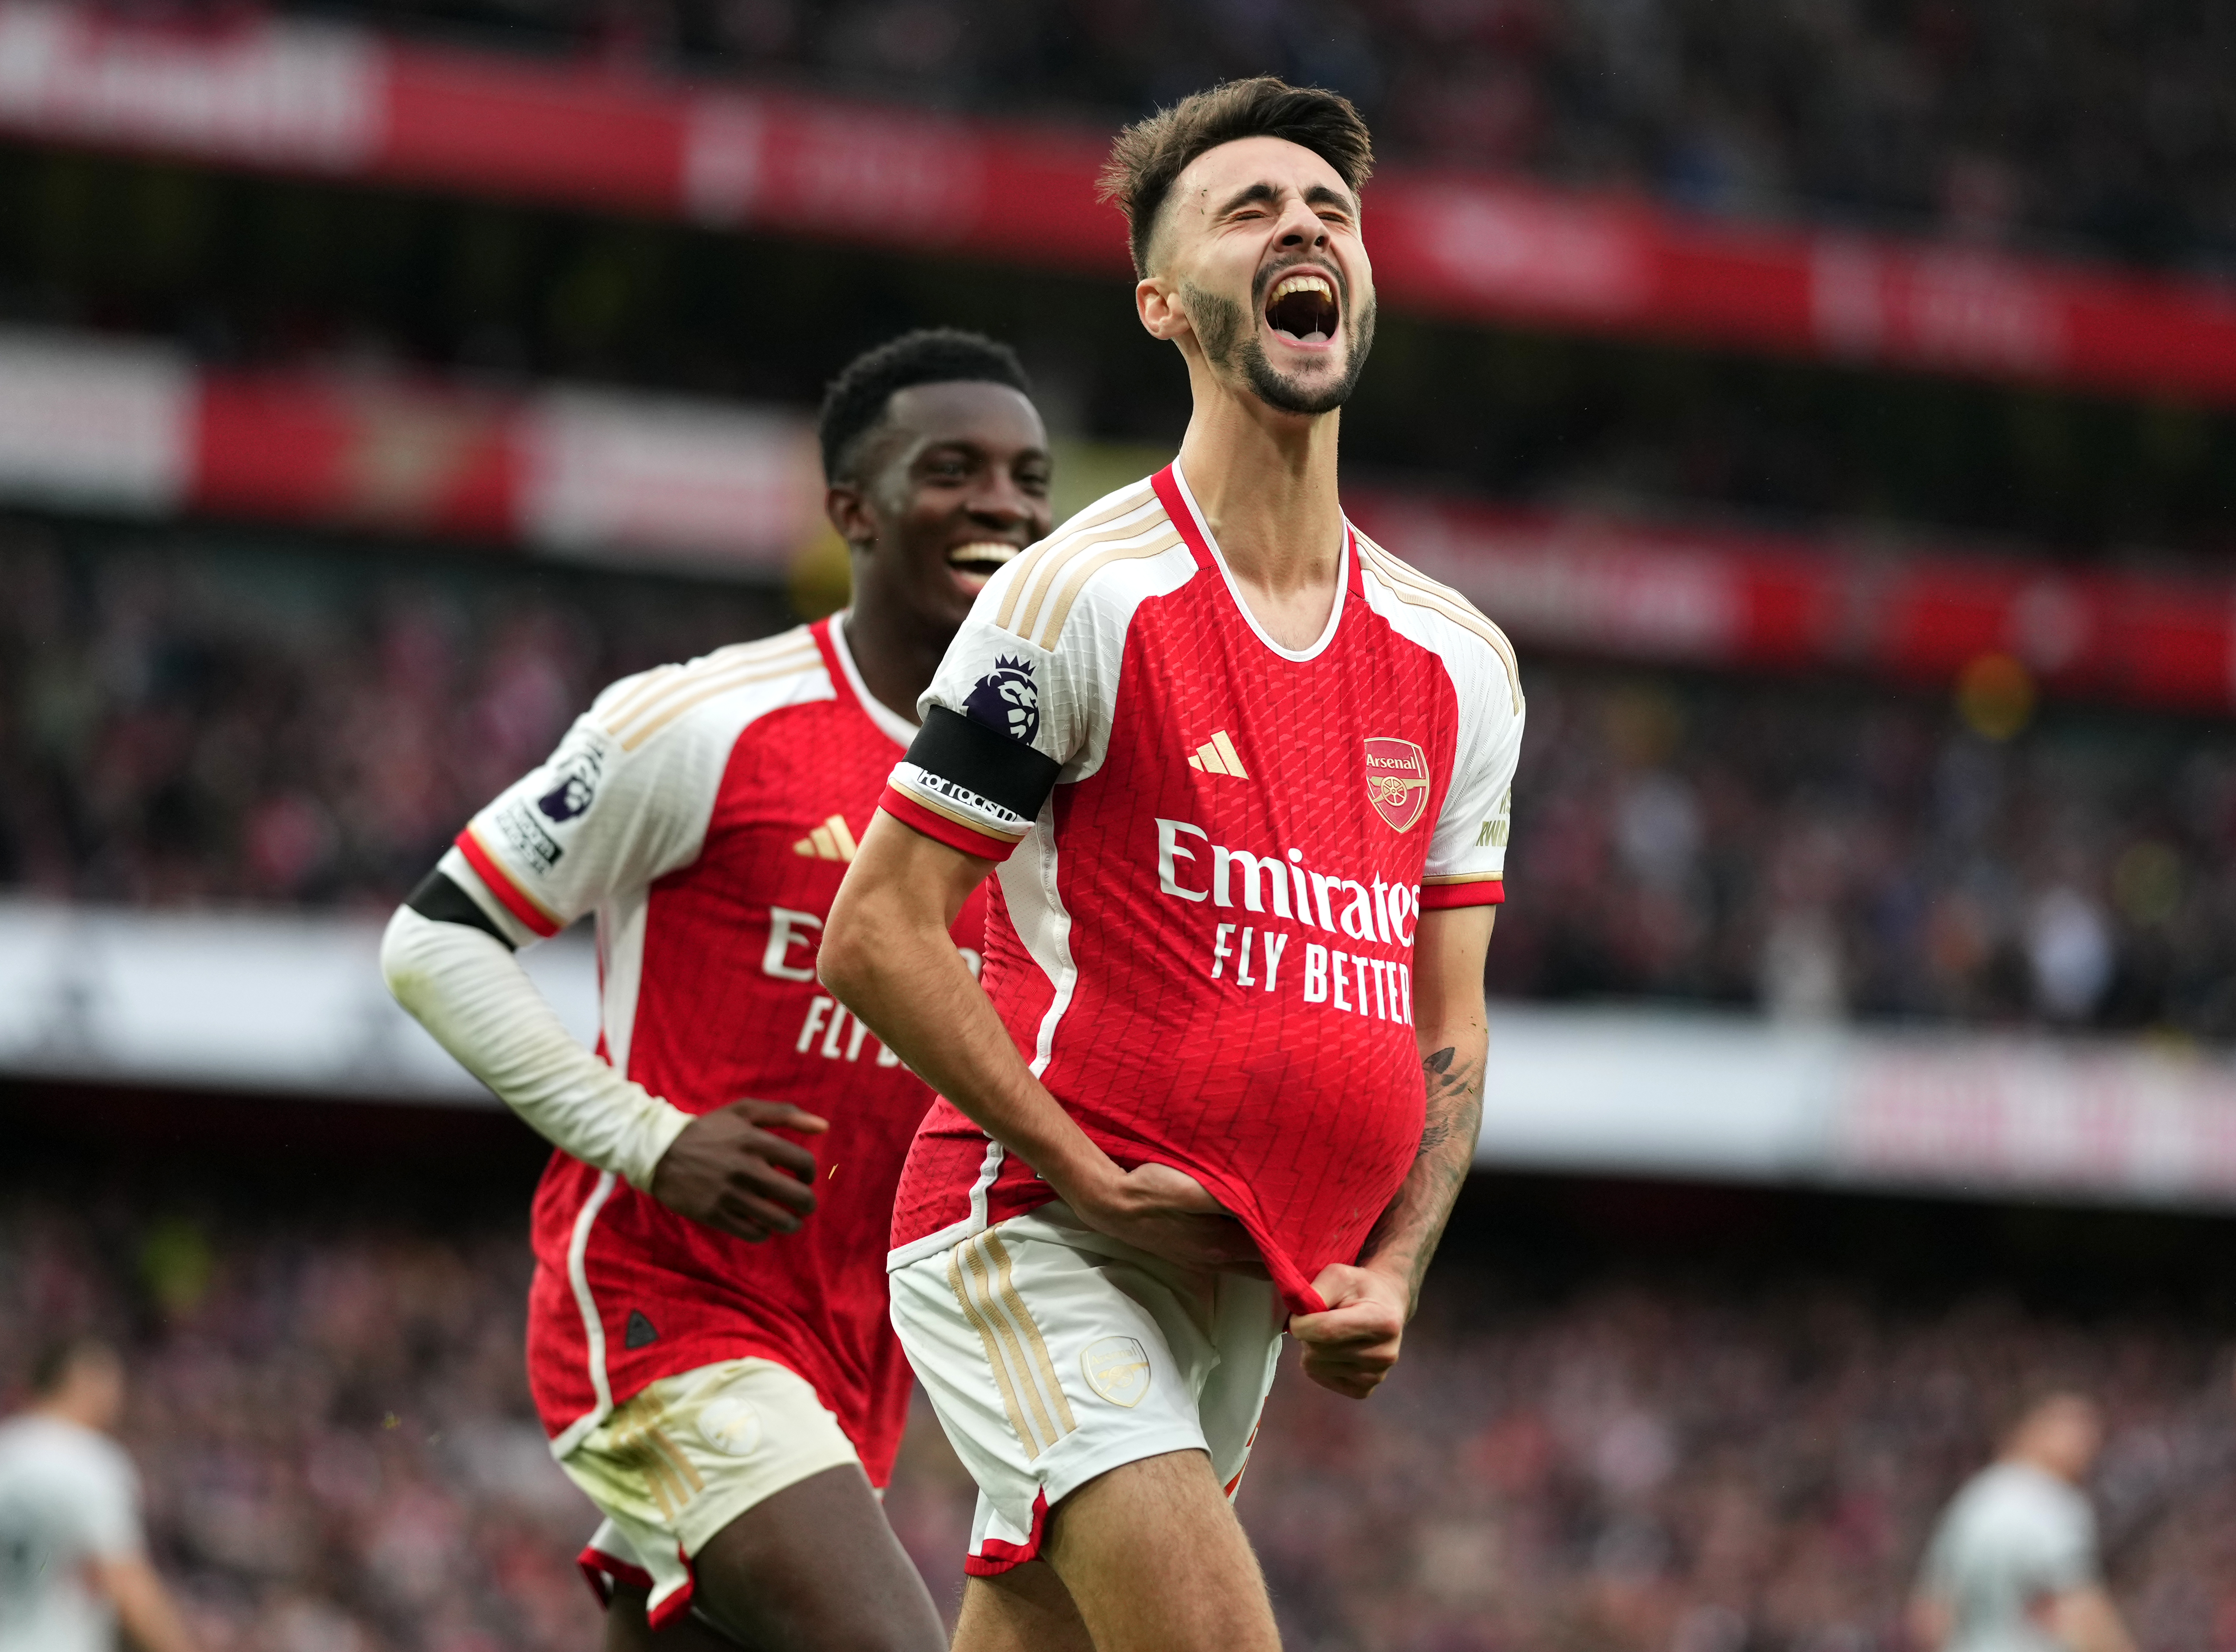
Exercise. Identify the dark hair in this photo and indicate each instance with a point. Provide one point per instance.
(855, 403)
(58, 1357)
(1150, 154)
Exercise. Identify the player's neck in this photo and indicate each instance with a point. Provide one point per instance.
(895, 650)
(1265, 482)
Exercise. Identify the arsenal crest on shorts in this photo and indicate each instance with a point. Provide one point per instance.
(1396, 780)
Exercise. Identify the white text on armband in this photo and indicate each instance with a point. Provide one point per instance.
(961, 798)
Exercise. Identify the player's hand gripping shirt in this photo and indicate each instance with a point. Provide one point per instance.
(1214, 851)
(707, 812)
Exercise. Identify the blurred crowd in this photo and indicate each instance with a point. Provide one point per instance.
(332, 1420)
(178, 727)
(1983, 120)
(1825, 851)
(225, 727)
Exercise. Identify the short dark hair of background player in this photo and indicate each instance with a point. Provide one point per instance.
(1150, 154)
(855, 403)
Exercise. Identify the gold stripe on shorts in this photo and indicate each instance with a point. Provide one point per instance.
(993, 1353)
(983, 1275)
(1016, 1304)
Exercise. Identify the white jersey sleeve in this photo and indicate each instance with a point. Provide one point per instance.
(1023, 700)
(1466, 863)
(626, 796)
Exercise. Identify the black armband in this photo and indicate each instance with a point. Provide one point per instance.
(440, 899)
(1000, 769)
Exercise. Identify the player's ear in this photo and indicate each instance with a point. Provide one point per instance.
(849, 513)
(1158, 306)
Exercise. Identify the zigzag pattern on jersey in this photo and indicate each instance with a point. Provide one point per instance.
(1420, 591)
(1132, 526)
(670, 691)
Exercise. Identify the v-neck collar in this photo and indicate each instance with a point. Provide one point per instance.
(1180, 504)
(899, 729)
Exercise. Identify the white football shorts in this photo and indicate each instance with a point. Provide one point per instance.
(1053, 1354)
(686, 1456)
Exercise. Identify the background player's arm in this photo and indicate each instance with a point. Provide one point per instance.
(1351, 1347)
(1930, 1621)
(887, 954)
(599, 816)
(144, 1608)
(2085, 1620)
(459, 978)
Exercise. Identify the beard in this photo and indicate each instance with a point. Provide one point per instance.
(1231, 344)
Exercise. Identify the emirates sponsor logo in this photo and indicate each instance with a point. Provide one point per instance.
(1397, 781)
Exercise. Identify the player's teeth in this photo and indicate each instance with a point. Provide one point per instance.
(990, 551)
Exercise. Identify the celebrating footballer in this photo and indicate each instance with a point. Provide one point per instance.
(707, 1334)
(1239, 778)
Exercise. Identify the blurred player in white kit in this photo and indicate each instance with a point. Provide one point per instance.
(2013, 1566)
(73, 1568)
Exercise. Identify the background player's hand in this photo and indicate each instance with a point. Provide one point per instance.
(1351, 1347)
(729, 1172)
(1169, 1213)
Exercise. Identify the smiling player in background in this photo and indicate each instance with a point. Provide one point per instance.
(709, 1342)
(1242, 777)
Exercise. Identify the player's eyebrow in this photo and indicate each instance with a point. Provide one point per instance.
(1318, 196)
(1249, 193)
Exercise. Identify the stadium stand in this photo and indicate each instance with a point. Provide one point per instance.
(236, 723)
(1986, 121)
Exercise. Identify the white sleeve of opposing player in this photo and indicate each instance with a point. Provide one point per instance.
(467, 989)
(109, 1505)
(1467, 855)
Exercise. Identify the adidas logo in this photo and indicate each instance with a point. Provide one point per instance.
(1218, 756)
(830, 841)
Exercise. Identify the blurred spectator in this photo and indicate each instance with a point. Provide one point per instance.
(1985, 120)
(71, 1566)
(2013, 1566)
(180, 725)
(340, 1456)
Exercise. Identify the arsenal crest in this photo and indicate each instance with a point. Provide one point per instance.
(1397, 781)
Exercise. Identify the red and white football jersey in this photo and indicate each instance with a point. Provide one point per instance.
(707, 812)
(1214, 853)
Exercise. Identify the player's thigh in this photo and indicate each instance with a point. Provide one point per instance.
(732, 1493)
(817, 1566)
(1026, 1608)
(1155, 1561)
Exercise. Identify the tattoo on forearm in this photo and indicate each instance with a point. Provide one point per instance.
(1414, 1219)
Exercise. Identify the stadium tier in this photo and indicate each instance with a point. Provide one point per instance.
(333, 103)
(632, 480)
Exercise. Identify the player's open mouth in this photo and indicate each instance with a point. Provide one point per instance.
(975, 563)
(1303, 309)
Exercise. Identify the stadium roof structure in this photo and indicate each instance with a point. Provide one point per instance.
(342, 103)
